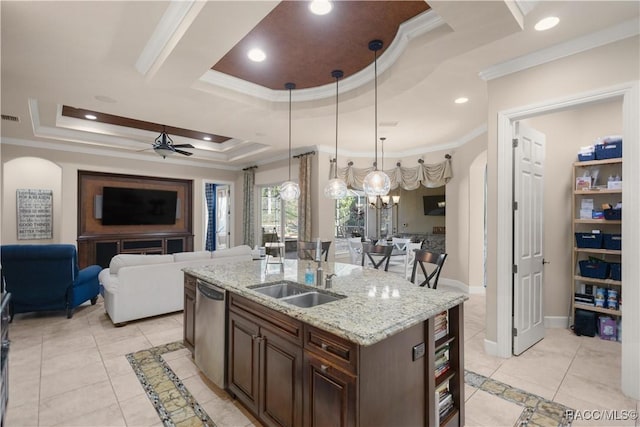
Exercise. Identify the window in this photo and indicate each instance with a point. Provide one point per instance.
(274, 213)
(350, 219)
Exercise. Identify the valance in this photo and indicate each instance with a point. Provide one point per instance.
(408, 178)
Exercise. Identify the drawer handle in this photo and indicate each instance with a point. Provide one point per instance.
(324, 368)
(324, 346)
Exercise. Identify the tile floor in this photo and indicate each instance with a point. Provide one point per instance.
(73, 372)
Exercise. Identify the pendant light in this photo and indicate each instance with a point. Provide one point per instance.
(336, 188)
(289, 190)
(376, 183)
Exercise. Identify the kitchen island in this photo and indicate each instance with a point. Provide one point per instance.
(367, 359)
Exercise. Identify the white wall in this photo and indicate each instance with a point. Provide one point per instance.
(32, 171)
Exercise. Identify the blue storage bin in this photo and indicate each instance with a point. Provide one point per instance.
(612, 242)
(615, 271)
(589, 240)
(609, 150)
(586, 157)
(595, 270)
(613, 214)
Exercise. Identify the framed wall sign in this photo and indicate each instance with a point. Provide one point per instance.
(35, 214)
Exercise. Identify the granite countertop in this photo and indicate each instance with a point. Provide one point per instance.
(378, 304)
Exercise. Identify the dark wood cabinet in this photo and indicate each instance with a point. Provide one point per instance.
(100, 250)
(329, 394)
(265, 362)
(243, 360)
(289, 373)
(189, 322)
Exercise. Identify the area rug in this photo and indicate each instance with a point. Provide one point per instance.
(177, 407)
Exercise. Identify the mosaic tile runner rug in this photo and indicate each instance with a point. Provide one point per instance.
(177, 407)
(538, 411)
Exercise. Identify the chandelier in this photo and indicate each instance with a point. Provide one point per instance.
(376, 183)
(336, 188)
(289, 190)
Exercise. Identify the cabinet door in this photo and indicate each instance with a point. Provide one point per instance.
(281, 380)
(189, 323)
(329, 394)
(243, 359)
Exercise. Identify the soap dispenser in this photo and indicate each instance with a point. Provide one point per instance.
(308, 275)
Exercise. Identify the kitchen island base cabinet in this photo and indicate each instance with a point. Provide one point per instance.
(289, 373)
(265, 363)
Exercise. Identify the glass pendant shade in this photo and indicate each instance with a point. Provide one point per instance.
(335, 189)
(376, 183)
(289, 190)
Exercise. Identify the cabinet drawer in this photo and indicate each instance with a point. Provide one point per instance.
(277, 322)
(335, 349)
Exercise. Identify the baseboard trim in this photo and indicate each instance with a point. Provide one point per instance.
(491, 347)
(556, 322)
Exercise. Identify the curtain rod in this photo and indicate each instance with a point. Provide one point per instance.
(297, 156)
(250, 167)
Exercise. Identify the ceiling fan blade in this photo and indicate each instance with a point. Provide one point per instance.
(186, 153)
(183, 146)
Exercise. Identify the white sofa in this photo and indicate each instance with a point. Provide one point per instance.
(139, 286)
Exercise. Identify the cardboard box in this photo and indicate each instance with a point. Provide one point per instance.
(583, 183)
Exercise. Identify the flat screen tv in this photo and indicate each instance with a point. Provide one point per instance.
(137, 206)
(434, 205)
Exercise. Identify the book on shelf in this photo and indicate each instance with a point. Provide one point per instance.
(440, 325)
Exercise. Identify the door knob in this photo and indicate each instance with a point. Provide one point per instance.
(545, 261)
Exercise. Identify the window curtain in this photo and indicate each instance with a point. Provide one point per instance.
(408, 178)
(210, 195)
(248, 207)
(304, 203)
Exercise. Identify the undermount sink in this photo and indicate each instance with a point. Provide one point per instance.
(311, 299)
(281, 289)
(296, 294)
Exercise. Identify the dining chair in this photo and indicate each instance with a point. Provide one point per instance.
(411, 249)
(434, 259)
(400, 243)
(307, 250)
(355, 249)
(384, 252)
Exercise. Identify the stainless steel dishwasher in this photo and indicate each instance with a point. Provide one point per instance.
(210, 333)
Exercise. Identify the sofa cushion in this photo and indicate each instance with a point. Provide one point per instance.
(235, 251)
(191, 256)
(126, 260)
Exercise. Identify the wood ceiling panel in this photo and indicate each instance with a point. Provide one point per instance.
(80, 113)
(304, 48)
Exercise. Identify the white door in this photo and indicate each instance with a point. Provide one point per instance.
(528, 223)
(223, 217)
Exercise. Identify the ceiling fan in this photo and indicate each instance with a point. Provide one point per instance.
(164, 146)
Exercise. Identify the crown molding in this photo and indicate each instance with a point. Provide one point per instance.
(526, 6)
(414, 27)
(480, 130)
(104, 152)
(580, 44)
(174, 23)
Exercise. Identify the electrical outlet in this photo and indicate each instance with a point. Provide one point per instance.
(419, 351)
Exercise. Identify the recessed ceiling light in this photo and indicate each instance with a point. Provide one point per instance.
(90, 116)
(461, 100)
(207, 138)
(257, 55)
(547, 23)
(320, 7)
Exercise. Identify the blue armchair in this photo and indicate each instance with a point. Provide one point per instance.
(47, 277)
